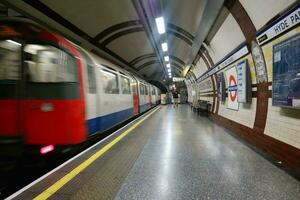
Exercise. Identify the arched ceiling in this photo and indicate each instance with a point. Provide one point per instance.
(124, 31)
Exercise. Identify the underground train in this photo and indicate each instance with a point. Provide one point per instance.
(54, 93)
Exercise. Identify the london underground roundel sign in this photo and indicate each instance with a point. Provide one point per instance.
(232, 88)
(231, 75)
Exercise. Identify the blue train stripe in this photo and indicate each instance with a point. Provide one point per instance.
(105, 122)
(144, 107)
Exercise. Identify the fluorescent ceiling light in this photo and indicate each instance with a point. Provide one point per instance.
(169, 70)
(160, 25)
(164, 46)
(13, 42)
(167, 58)
(168, 65)
(170, 74)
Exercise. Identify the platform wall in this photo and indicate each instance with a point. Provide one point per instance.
(275, 130)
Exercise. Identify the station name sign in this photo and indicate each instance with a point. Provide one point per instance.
(178, 79)
(238, 54)
(286, 22)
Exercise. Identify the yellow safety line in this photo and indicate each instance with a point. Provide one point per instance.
(57, 185)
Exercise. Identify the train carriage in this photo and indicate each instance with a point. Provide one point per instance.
(55, 93)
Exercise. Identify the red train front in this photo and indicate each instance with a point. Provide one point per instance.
(41, 99)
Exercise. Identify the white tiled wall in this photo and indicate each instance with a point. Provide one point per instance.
(228, 37)
(245, 115)
(261, 12)
(283, 124)
(200, 68)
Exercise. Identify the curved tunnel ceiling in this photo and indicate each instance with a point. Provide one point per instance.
(125, 31)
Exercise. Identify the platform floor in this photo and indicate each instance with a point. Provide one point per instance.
(172, 154)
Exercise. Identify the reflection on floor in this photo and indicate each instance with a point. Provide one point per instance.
(190, 157)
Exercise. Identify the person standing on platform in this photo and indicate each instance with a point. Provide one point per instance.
(175, 99)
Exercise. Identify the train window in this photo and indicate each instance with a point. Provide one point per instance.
(153, 91)
(47, 64)
(142, 89)
(10, 63)
(91, 79)
(110, 83)
(125, 85)
(10, 60)
(146, 90)
(51, 73)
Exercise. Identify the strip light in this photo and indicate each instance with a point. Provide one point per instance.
(164, 46)
(169, 70)
(167, 58)
(160, 25)
(168, 65)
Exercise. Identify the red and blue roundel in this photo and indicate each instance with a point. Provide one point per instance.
(232, 88)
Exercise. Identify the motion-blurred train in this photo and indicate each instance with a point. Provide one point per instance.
(54, 93)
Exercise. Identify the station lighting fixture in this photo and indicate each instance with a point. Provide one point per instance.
(160, 25)
(168, 65)
(169, 70)
(167, 58)
(164, 46)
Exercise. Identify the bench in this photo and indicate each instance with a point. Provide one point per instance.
(201, 107)
(204, 108)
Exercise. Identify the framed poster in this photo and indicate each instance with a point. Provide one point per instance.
(244, 89)
(231, 77)
(221, 87)
(286, 73)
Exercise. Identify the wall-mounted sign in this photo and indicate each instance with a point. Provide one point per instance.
(284, 23)
(178, 79)
(185, 71)
(230, 59)
(221, 87)
(243, 82)
(231, 77)
(286, 73)
(259, 62)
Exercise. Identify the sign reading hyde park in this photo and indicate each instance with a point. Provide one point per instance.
(291, 19)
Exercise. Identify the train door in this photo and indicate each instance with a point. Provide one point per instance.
(149, 90)
(91, 97)
(135, 96)
(11, 91)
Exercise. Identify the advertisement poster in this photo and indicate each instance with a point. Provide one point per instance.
(231, 77)
(244, 90)
(286, 73)
(221, 87)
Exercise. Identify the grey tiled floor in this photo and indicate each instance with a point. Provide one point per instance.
(188, 157)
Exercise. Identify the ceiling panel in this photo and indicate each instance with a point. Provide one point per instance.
(150, 69)
(179, 48)
(131, 45)
(93, 16)
(185, 14)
